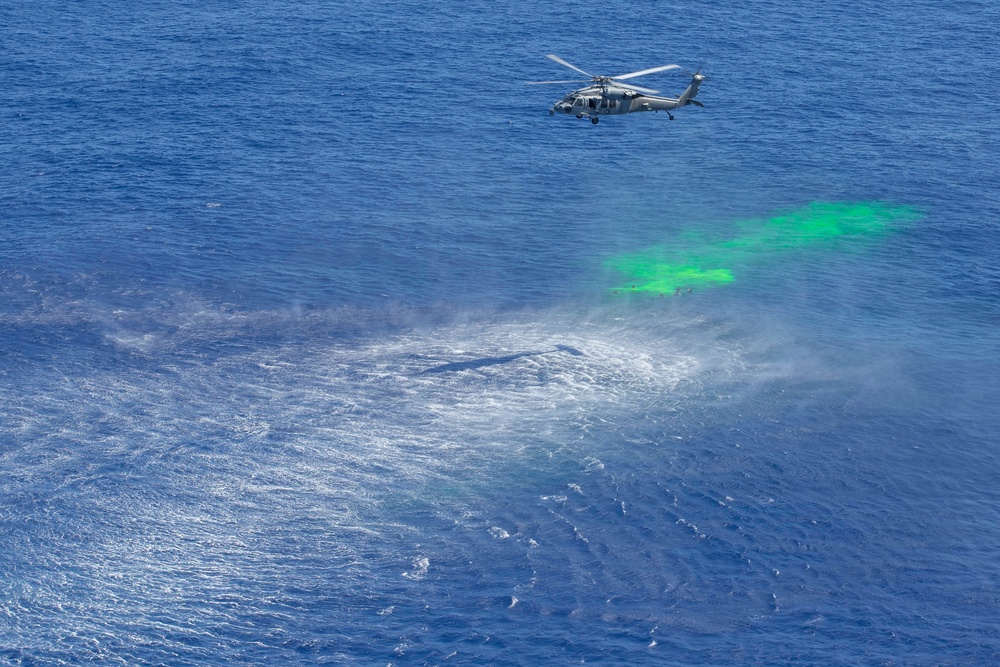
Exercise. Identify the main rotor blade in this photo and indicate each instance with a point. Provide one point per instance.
(536, 83)
(563, 62)
(629, 86)
(651, 70)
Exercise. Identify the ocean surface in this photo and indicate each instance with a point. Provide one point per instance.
(322, 343)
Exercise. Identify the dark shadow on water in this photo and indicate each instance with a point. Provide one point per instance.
(473, 364)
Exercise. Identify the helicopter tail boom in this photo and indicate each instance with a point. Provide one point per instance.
(687, 97)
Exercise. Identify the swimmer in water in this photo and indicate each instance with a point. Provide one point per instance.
(677, 292)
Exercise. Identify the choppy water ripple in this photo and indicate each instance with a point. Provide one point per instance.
(310, 351)
(620, 480)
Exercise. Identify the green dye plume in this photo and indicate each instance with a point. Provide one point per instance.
(693, 261)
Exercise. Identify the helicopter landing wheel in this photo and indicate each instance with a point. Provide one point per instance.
(670, 117)
(595, 120)
(579, 115)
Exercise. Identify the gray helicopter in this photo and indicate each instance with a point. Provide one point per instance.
(610, 95)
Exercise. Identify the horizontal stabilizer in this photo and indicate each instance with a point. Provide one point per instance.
(696, 102)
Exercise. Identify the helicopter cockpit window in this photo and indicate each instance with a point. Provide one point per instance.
(578, 102)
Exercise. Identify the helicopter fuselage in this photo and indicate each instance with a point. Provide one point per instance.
(606, 100)
(594, 101)
(612, 96)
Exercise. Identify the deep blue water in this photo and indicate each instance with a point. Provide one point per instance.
(308, 354)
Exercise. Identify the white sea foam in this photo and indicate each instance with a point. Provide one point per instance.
(421, 564)
(198, 466)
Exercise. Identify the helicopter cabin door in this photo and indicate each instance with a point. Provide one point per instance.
(603, 105)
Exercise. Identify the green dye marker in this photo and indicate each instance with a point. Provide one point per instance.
(693, 261)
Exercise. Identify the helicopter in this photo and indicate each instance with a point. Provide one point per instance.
(611, 95)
